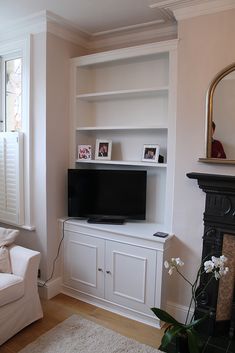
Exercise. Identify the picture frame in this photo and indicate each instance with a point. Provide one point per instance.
(84, 152)
(103, 149)
(150, 153)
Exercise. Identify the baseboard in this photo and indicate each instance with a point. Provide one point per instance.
(53, 287)
(179, 312)
(148, 319)
(49, 289)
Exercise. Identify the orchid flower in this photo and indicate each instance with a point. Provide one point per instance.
(216, 268)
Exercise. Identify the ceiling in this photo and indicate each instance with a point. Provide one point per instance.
(96, 16)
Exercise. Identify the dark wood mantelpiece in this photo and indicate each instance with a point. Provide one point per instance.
(219, 225)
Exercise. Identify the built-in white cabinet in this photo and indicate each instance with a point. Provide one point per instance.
(128, 96)
(115, 267)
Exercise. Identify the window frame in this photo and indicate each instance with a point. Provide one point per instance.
(4, 59)
(22, 47)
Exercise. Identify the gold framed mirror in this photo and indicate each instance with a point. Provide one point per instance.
(220, 104)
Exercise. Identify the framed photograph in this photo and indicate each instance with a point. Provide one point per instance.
(84, 152)
(103, 149)
(150, 153)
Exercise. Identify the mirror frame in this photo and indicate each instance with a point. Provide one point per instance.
(209, 115)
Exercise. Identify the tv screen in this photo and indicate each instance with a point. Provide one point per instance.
(104, 195)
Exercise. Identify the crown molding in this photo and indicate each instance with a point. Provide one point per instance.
(128, 28)
(135, 37)
(63, 29)
(46, 21)
(33, 24)
(183, 9)
(42, 22)
(206, 8)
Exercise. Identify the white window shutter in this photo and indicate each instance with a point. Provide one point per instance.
(11, 178)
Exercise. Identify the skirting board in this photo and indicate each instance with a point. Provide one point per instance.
(54, 287)
(113, 307)
(49, 289)
(179, 312)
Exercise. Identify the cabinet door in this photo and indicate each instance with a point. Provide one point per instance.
(84, 263)
(130, 276)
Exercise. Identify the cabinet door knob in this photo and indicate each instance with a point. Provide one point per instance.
(108, 272)
(100, 269)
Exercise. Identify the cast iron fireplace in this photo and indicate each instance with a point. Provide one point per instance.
(218, 298)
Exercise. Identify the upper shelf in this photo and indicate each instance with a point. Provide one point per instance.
(145, 92)
(112, 128)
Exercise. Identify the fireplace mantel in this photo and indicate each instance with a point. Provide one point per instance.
(216, 182)
(219, 230)
(220, 200)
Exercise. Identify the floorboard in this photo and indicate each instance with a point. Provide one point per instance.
(61, 307)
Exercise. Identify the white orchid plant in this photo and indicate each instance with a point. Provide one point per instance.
(216, 268)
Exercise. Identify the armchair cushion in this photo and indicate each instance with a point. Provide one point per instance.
(7, 236)
(5, 264)
(11, 288)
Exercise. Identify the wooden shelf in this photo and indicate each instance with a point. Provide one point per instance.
(130, 163)
(122, 94)
(112, 128)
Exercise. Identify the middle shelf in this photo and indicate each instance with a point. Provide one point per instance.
(127, 163)
(145, 92)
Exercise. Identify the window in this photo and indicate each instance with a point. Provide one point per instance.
(13, 94)
(15, 197)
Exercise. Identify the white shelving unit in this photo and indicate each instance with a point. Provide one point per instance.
(128, 96)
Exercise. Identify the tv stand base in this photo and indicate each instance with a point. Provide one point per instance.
(107, 220)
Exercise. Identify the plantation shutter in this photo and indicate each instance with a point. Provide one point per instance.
(11, 177)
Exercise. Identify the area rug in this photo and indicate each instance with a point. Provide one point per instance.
(78, 335)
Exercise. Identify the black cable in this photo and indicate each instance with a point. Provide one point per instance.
(57, 255)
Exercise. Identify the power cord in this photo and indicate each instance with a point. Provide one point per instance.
(57, 255)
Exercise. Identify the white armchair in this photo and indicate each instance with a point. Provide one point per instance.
(19, 300)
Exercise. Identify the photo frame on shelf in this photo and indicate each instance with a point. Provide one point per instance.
(84, 152)
(103, 149)
(150, 153)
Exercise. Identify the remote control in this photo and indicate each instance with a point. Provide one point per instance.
(160, 234)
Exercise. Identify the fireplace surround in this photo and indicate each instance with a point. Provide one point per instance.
(218, 298)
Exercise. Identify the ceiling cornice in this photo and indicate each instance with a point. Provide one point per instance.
(46, 21)
(63, 29)
(135, 37)
(33, 24)
(183, 9)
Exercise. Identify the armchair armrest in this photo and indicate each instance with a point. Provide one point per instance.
(21, 258)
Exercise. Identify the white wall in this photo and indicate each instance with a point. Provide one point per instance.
(38, 239)
(50, 111)
(205, 47)
(59, 52)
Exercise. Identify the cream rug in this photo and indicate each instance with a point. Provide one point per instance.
(78, 335)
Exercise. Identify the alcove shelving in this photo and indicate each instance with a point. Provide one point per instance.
(127, 96)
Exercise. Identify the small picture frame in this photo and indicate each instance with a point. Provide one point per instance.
(150, 153)
(103, 149)
(84, 152)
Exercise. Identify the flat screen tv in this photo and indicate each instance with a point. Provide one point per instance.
(107, 196)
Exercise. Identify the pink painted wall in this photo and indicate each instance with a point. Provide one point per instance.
(205, 48)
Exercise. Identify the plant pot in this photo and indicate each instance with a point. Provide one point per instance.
(181, 344)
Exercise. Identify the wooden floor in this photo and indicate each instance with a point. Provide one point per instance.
(61, 307)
